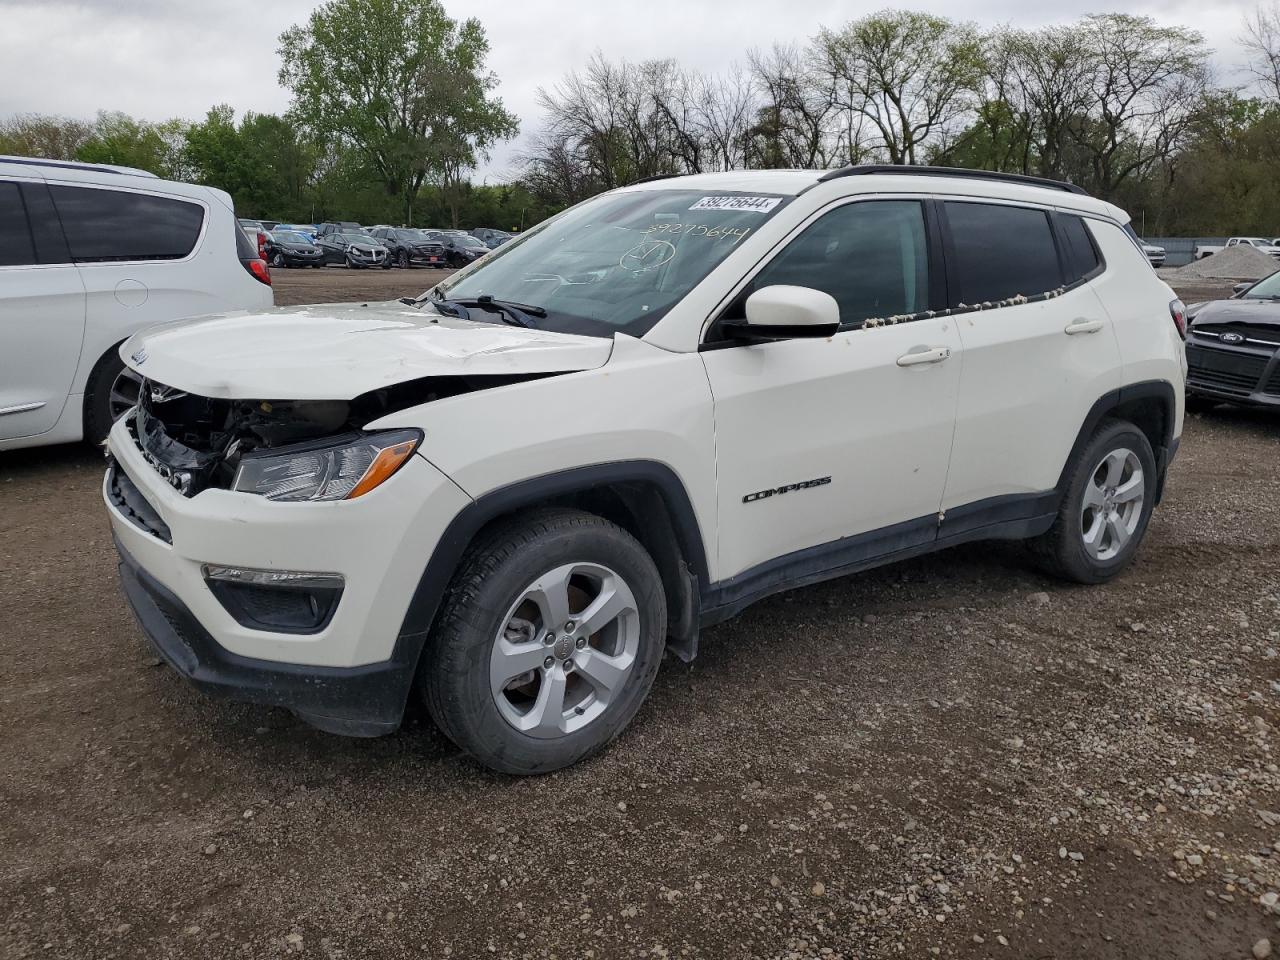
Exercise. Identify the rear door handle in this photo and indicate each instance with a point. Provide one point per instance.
(1082, 325)
(917, 355)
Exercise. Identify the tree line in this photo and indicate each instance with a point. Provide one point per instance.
(1122, 105)
(393, 105)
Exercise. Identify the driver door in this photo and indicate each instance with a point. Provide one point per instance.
(835, 450)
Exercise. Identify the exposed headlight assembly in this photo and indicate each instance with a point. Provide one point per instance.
(328, 471)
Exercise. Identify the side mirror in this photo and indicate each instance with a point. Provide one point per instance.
(784, 312)
(1240, 288)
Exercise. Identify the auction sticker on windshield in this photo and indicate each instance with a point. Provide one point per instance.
(748, 204)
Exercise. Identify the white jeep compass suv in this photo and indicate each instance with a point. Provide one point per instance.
(89, 255)
(509, 495)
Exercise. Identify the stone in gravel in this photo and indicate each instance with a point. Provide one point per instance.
(1194, 859)
(1077, 857)
(819, 889)
(1269, 899)
(622, 806)
(248, 815)
(1262, 949)
(210, 850)
(1039, 597)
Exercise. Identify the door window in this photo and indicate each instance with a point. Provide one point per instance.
(1080, 254)
(871, 256)
(1001, 252)
(16, 246)
(104, 225)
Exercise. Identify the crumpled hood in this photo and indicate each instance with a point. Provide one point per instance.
(339, 351)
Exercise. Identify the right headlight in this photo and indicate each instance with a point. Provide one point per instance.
(336, 471)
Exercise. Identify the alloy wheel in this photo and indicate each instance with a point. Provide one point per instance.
(124, 393)
(565, 650)
(1112, 505)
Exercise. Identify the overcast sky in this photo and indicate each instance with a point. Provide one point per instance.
(161, 58)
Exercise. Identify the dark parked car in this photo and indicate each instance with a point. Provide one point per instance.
(1233, 348)
(338, 226)
(285, 248)
(409, 246)
(459, 248)
(356, 250)
(490, 237)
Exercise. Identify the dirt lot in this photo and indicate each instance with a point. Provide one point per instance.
(953, 757)
(339, 284)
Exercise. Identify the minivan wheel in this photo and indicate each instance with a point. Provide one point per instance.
(111, 390)
(547, 643)
(1106, 508)
(404, 259)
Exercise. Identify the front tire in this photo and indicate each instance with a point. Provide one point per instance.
(547, 643)
(1107, 506)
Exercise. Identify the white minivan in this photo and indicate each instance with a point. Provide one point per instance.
(89, 255)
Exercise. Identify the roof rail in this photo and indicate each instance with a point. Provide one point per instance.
(71, 165)
(859, 170)
(656, 176)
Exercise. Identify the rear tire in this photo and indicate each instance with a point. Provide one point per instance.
(493, 681)
(1106, 507)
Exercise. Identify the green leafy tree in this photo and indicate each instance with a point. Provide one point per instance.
(39, 135)
(402, 83)
(155, 147)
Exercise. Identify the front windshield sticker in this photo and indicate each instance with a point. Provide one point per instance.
(698, 230)
(747, 204)
(647, 255)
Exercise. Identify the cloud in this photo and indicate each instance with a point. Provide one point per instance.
(164, 58)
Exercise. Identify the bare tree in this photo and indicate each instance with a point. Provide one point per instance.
(1146, 81)
(1261, 41)
(911, 75)
(797, 123)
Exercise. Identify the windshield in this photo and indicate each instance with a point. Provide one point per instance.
(356, 238)
(618, 263)
(1267, 289)
(288, 236)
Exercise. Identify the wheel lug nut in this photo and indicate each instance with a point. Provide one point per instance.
(582, 643)
(549, 662)
(568, 626)
(568, 666)
(549, 639)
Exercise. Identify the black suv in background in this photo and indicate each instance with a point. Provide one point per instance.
(338, 226)
(409, 246)
(459, 248)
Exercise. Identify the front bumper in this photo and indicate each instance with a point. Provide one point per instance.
(1245, 374)
(301, 259)
(375, 259)
(378, 543)
(358, 701)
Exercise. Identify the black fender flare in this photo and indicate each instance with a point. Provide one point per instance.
(1160, 390)
(462, 529)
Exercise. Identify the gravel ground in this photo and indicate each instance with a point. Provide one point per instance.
(951, 757)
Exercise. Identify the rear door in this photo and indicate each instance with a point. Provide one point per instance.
(42, 312)
(1039, 350)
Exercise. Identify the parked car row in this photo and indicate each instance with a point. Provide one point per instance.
(1261, 244)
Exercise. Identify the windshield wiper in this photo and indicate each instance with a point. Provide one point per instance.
(516, 314)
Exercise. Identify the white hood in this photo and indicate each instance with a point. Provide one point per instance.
(339, 351)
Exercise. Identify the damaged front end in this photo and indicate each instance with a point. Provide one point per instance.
(283, 449)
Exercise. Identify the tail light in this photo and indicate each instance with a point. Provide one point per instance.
(262, 245)
(259, 270)
(1178, 311)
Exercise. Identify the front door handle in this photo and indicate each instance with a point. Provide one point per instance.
(917, 355)
(1082, 325)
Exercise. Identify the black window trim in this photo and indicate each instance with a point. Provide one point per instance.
(196, 247)
(31, 236)
(933, 247)
(1059, 216)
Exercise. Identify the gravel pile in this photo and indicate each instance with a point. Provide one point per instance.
(1234, 263)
